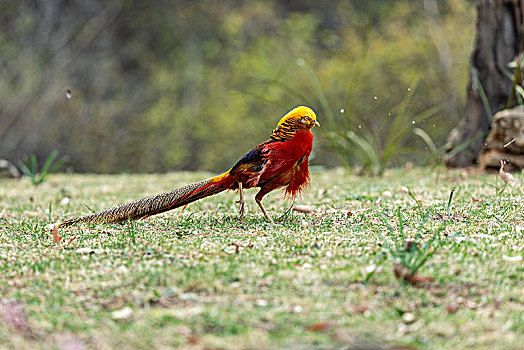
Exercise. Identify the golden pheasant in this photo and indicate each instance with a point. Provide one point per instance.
(280, 162)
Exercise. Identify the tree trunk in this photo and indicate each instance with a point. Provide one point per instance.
(499, 39)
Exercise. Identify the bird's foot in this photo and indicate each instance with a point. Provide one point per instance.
(269, 218)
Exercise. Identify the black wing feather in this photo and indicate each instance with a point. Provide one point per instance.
(252, 161)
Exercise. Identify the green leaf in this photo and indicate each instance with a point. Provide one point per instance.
(426, 138)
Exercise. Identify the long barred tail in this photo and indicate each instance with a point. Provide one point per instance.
(160, 203)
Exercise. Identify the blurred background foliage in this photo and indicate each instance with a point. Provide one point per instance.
(185, 85)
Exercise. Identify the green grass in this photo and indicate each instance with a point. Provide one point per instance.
(199, 278)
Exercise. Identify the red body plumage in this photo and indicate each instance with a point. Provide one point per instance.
(288, 163)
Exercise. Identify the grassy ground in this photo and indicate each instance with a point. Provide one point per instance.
(202, 279)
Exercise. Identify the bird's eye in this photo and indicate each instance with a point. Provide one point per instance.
(307, 118)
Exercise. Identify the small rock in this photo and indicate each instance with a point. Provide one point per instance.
(296, 309)
(408, 318)
(303, 208)
(122, 314)
(370, 268)
(512, 258)
(8, 170)
(85, 250)
(261, 302)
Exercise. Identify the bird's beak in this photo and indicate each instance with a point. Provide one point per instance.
(314, 122)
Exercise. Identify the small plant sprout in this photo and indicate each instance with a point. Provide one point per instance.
(30, 169)
(410, 254)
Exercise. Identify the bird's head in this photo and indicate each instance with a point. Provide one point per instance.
(300, 117)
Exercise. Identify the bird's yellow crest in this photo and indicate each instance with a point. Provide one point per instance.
(300, 111)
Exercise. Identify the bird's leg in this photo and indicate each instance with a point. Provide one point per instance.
(241, 201)
(259, 202)
(258, 199)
